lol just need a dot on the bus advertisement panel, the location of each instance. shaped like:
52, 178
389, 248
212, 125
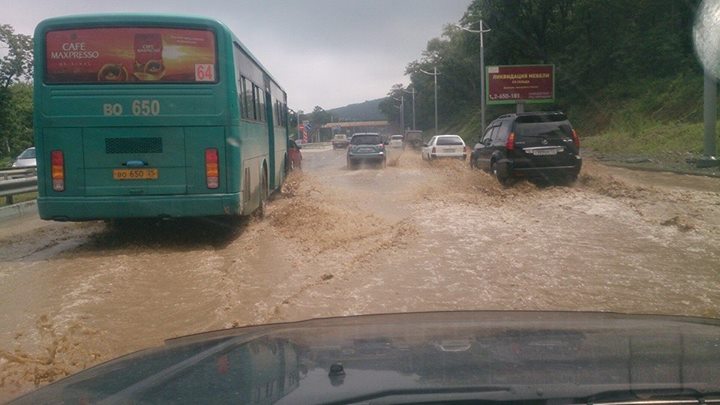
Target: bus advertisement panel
130, 55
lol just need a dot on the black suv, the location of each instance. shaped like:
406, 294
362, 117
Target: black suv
533, 144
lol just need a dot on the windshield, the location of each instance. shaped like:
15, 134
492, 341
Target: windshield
27, 154
210, 165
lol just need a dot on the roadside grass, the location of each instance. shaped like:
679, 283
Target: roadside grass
654, 118
650, 139
19, 198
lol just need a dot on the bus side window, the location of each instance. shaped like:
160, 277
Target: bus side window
259, 103
241, 97
248, 102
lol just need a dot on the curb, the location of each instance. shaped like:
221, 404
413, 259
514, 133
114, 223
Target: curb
18, 210
656, 169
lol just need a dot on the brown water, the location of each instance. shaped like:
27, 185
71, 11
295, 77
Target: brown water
413, 236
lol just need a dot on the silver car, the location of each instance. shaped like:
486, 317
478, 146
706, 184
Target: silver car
26, 158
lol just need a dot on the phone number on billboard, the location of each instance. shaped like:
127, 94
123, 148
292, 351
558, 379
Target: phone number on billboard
506, 96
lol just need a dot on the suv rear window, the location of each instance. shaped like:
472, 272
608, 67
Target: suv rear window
449, 140
366, 140
541, 118
561, 128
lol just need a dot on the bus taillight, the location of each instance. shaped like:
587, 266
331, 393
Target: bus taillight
212, 172
57, 161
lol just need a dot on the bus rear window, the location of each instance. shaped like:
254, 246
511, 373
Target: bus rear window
130, 55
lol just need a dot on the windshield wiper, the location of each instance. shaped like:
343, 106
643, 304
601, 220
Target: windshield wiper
652, 396
570, 394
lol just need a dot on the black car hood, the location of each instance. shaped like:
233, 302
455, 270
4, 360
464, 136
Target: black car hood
411, 357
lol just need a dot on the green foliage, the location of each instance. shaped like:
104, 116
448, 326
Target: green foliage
15, 95
17, 64
16, 111
607, 53
319, 117
650, 139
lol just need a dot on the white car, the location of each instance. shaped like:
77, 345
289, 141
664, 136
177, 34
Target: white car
396, 141
26, 159
444, 146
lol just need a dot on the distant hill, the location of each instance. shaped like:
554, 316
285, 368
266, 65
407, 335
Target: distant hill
365, 111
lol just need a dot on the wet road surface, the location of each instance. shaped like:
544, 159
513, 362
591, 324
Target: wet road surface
411, 237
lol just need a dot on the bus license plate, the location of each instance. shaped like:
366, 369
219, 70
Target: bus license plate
135, 174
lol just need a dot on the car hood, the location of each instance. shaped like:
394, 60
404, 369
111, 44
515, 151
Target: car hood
412, 357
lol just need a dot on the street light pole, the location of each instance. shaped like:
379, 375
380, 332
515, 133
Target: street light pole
435, 75
402, 112
413, 104
481, 31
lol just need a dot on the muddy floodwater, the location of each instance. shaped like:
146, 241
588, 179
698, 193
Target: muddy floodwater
413, 236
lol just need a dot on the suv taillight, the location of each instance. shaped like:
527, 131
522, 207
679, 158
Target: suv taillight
576, 139
57, 170
212, 172
510, 144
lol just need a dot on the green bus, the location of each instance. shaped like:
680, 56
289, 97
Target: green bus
153, 116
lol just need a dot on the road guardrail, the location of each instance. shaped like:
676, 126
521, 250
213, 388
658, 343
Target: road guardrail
17, 181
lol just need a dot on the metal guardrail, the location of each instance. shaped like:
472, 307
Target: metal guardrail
17, 181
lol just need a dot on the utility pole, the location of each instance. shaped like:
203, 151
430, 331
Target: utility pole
413, 105
710, 117
481, 31
435, 75
402, 113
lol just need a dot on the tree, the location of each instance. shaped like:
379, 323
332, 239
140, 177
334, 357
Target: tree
17, 64
15, 95
390, 106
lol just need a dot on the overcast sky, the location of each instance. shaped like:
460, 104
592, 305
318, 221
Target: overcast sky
323, 52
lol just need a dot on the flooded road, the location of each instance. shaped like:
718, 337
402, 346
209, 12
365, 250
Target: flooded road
411, 237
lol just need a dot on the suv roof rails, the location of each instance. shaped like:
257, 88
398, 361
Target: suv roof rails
505, 116
540, 113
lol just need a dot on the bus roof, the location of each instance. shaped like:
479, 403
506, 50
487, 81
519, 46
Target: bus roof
144, 19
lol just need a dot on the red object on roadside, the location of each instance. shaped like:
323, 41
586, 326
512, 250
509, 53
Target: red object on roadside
294, 155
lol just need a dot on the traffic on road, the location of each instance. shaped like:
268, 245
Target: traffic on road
194, 226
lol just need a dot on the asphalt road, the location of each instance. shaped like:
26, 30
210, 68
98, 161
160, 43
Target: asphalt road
411, 237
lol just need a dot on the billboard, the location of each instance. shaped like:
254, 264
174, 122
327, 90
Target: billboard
520, 84
130, 55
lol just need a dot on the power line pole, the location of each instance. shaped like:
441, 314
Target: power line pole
413, 104
481, 31
435, 75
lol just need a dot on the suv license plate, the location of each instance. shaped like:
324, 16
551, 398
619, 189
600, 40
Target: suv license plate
135, 174
545, 152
